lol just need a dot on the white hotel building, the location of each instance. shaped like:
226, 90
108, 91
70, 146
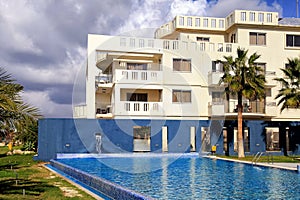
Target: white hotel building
175, 77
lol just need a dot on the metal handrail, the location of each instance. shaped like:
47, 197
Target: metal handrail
270, 158
257, 157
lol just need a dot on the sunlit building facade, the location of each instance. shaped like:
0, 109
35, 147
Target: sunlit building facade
167, 87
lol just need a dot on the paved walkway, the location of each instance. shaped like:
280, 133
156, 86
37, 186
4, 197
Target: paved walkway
287, 166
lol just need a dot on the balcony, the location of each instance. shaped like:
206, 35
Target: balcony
103, 81
140, 108
79, 111
250, 108
270, 76
104, 112
271, 109
216, 109
214, 77
138, 76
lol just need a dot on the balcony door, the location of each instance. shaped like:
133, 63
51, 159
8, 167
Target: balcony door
141, 138
137, 97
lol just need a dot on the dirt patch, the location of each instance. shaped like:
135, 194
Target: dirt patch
70, 192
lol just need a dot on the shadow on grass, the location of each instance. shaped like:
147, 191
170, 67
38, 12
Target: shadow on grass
3, 155
34, 188
9, 166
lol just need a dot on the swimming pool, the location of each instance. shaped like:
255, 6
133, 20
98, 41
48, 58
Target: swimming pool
191, 177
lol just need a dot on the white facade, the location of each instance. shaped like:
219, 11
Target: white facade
176, 77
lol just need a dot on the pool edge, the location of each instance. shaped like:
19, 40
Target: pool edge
111, 190
256, 164
80, 187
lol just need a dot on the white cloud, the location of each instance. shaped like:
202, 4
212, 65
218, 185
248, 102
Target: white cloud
222, 8
48, 108
63, 73
13, 36
152, 14
43, 43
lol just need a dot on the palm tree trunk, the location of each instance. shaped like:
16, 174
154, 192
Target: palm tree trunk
240, 141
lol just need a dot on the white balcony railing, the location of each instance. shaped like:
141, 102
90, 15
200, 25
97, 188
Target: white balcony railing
79, 111
178, 45
140, 108
271, 108
270, 76
214, 77
249, 107
216, 108
138, 76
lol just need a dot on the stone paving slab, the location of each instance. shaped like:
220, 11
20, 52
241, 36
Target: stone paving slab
286, 166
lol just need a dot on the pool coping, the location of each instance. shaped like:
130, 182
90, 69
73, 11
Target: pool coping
274, 165
108, 188
80, 187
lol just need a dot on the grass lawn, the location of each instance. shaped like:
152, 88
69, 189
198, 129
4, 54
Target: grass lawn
19, 174
286, 159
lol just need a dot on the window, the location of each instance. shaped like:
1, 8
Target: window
268, 92
182, 96
205, 22
217, 97
243, 16
262, 66
181, 21
213, 23
141, 138
132, 42
137, 97
221, 23
217, 66
175, 44
123, 42
220, 47
150, 43
189, 21
203, 39
272, 139
228, 48
261, 17
269, 17
252, 16
136, 66
293, 40
257, 38
246, 136
182, 65
141, 43
141, 132
167, 27
231, 18
233, 38
197, 22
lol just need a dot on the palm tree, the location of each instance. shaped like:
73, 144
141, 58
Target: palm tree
289, 94
16, 116
243, 78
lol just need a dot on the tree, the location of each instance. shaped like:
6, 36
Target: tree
289, 94
16, 116
243, 78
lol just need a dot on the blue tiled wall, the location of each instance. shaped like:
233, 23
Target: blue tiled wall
78, 135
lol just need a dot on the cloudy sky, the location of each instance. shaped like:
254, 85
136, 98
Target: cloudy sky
43, 42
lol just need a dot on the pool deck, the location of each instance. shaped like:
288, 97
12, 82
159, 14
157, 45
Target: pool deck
286, 166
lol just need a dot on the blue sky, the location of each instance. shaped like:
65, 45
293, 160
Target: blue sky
43, 43
289, 7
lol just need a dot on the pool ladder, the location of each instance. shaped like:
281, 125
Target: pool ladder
257, 157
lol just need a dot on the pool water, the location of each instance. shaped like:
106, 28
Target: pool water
192, 177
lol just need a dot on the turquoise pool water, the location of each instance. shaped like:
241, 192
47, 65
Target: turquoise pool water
192, 177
